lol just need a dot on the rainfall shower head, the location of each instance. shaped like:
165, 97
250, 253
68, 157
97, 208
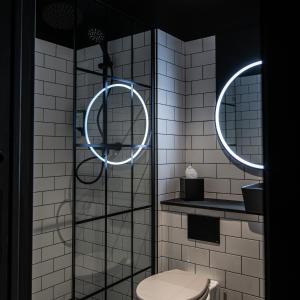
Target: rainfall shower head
96, 35
60, 15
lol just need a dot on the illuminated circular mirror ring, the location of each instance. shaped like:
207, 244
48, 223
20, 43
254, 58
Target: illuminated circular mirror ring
87, 116
217, 117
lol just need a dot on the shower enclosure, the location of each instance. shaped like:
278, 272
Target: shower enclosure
113, 153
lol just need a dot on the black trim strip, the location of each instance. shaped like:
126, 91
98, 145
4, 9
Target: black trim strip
153, 151
132, 171
74, 152
105, 95
129, 82
113, 146
228, 104
113, 214
16, 147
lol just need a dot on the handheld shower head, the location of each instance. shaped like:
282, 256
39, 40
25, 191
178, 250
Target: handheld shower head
97, 36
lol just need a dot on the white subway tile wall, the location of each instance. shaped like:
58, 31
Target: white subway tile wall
237, 262
185, 134
52, 236
170, 114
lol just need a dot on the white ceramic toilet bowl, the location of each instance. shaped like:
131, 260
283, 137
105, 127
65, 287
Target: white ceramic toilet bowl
177, 285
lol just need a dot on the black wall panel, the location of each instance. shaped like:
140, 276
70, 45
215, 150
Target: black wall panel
234, 50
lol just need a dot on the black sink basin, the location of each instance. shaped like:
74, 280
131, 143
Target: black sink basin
253, 198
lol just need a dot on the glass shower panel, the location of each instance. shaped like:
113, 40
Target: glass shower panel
90, 186
119, 117
140, 118
142, 180
113, 186
118, 248
121, 291
98, 296
88, 85
141, 43
90, 258
141, 239
119, 188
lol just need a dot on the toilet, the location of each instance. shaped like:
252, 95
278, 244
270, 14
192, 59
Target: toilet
177, 285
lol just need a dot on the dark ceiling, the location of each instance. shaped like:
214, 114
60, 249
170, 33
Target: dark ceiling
192, 19
185, 19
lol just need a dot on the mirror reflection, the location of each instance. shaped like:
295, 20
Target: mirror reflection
241, 116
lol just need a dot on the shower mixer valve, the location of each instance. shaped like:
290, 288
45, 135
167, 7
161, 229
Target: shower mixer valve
108, 64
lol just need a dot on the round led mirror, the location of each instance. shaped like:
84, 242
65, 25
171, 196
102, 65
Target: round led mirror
238, 116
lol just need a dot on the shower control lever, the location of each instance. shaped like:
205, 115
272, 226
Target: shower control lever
103, 65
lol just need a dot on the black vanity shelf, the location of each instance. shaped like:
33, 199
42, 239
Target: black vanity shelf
212, 204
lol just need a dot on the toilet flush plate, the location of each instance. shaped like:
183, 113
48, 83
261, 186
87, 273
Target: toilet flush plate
204, 228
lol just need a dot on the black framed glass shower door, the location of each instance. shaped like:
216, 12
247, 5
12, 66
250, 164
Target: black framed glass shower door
113, 186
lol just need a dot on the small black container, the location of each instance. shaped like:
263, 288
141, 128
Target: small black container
192, 189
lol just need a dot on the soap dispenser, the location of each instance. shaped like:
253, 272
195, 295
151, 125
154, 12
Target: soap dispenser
190, 172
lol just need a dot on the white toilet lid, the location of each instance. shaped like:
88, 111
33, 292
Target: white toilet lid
173, 285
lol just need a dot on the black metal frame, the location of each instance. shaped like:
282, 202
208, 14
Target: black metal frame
154, 221
105, 146
74, 152
16, 144
280, 91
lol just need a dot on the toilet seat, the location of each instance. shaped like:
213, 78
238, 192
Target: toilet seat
174, 285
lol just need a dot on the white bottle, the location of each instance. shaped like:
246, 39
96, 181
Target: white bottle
190, 173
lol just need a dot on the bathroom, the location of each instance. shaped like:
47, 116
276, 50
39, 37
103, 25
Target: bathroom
147, 174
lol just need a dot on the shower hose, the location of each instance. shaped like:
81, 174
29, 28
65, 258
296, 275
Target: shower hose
101, 134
